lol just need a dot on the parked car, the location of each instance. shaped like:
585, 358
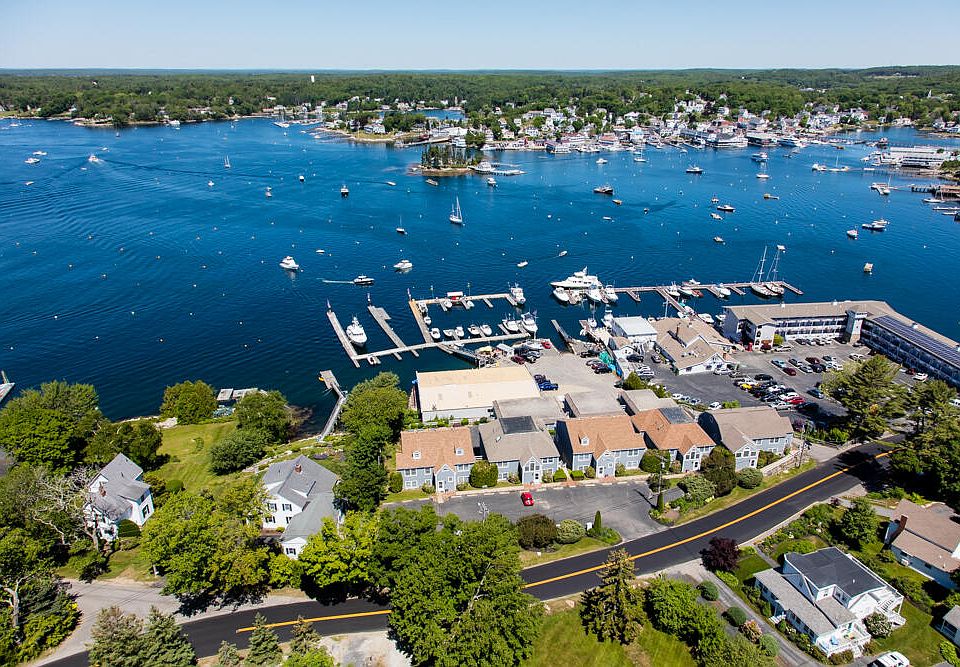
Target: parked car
634, 358
920, 377
723, 370
602, 369
783, 348
790, 371
816, 393
517, 359
828, 358
540, 378
818, 368
813, 360
781, 405
779, 363
526, 498
796, 400
891, 659
548, 386
856, 356
763, 377
716, 405
737, 375
656, 358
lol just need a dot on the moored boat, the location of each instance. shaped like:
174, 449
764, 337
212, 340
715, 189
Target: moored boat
288, 263
561, 295
517, 293
363, 280
726, 208
356, 334
853, 233
344, 190
529, 322
435, 333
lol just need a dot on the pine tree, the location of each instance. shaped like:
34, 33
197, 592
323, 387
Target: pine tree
304, 639
264, 645
228, 656
164, 644
613, 609
117, 639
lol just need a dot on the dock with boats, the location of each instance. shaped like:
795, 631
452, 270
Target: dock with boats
738, 288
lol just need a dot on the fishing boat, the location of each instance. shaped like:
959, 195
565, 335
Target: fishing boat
876, 225
491, 181
694, 169
767, 195
868, 267
288, 263
456, 215
561, 295
486, 330
716, 216
726, 208
363, 280
435, 333
432, 182
517, 293
458, 332
603, 190
522, 264
853, 233
529, 322
511, 325
610, 294
344, 190
356, 334
718, 239
403, 265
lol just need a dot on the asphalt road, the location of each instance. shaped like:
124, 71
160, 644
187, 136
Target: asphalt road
651, 553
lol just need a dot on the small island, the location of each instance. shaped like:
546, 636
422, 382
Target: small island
445, 161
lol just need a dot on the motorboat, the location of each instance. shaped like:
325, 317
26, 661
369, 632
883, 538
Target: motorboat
269, 192
363, 280
209, 184
32, 160
491, 181
610, 294
344, 190
486, 330
714, 200
320, 251
601, 160
692, 283
529, 323
718, 239
356, 334
608, 318
456, 215
288, 263
427, 319
391, 184
673, 291
449, 333
694, 169
726, 208
618, 202
603, 190
301, 178
474, 330
876, 225
517, 293
458, 332
401, 230
723, 290
580, 280
93, 159
561, 295
852, 233
40, 153
446, 304
685, 290
595, 295
763, 175
591, 322
767, 195
868, 267
522, 264
432, 182
5, 386
403, 265
435, 333
511, 325
226, 161
932, 200
819, 167
563, 253
716, 216
759, 157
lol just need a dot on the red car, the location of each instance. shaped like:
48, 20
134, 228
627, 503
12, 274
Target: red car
526, 498
517, 359
546, 345
790, 371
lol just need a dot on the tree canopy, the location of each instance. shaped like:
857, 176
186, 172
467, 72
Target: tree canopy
868, 391
614, 610
190, 402
266, 412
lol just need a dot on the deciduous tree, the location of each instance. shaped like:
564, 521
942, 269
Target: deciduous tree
190, 402
267, 413
238, 450
723, 554
859, 524
341, 555
869, 393
483, 474
535, 531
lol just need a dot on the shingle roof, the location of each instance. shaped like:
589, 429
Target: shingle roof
665, 435
605, 433
760, 314
830, 566
300, 479
436, 447
737, 426
638, 400
953, 616
792, 599
930, 533
505, 442
309, 521
593, 403
117, 483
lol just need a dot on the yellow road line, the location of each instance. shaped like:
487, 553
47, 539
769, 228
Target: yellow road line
711, 531
359, 614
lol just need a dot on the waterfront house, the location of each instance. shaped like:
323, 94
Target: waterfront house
441, 457
469, 394
519, 446
826, 595
748, 431
601, 442
672, 430
299, 495
926, 539
691, 345
118, 492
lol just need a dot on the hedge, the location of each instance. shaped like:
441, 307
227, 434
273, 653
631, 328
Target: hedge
736, 616
708, 591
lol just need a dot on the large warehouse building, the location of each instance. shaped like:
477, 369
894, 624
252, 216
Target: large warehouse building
470, 394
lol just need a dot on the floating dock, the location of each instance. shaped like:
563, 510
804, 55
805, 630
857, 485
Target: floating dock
342, 337
738, 288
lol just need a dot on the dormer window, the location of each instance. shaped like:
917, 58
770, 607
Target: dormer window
584, 441
416, 455
459, 451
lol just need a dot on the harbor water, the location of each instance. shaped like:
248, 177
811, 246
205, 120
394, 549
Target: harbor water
132, 271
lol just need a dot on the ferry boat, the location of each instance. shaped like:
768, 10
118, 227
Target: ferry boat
694, 169
517, 293
603, 190
288, 263
435, 333
403, 265
726, 208
853, 233
456, 215
876, 225
561, 295
529, 322
580, 280
363, 280
344, 190
356, 334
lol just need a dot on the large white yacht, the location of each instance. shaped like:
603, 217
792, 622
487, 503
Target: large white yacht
288, 263
610, 294
529, 323
356, 334
580, 280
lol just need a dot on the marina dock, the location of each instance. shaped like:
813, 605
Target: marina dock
329, 379
342, 337
738, 288
381, 317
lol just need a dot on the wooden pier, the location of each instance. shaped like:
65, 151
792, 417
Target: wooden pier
329, 379
738, 288
381, 317
418, 318
574, 345
342, 336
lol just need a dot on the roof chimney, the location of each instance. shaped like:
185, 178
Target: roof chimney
298, 468
103, 489
901, 525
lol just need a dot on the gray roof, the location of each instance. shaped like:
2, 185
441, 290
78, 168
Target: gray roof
309, 521
117, 482
300, 478
546, 408
593, 404
830, 566
513, 441
676, 415
953, 616
638, 400
752, 422
790, 598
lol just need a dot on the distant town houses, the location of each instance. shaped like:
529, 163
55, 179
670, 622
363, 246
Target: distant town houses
117, 493
299, 497
826, 595
601, 443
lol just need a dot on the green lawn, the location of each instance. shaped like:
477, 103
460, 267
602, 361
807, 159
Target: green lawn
750, 564
129, 565
528, 558
563, 639
917, 639
190, 458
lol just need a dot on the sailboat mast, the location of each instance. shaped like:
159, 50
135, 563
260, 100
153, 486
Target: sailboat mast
758, 274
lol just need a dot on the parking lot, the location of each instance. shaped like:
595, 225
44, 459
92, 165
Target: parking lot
571, 373
624, 505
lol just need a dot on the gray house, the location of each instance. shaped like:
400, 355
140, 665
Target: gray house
601, 442
673, 431
440, 457
748, 431
519, 446
926, 539
118, 492
299, 496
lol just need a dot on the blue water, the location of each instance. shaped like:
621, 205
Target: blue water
133, 274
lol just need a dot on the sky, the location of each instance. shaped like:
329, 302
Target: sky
412, 34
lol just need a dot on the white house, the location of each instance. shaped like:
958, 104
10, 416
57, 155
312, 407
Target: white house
299, 496
826, 595
637, 330
118, 492
926, 539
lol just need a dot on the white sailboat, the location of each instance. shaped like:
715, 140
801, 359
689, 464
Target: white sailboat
456, 215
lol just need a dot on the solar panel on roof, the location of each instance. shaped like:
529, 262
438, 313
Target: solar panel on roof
512, 425
920, 339
675, 415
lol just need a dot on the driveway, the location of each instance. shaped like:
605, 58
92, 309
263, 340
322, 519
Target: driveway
624, 505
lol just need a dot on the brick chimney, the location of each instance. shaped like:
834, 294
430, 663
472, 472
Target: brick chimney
901, 525
298, 468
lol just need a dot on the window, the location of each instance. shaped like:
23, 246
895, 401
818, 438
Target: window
268, 519
290, 551
287, 507
459, 451
416, 455
272, 507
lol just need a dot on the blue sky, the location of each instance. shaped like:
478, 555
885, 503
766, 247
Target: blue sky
561, 34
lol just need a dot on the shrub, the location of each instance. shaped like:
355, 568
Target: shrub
751, 630
483, 474
238, 450
427, 488
736, 616
463, 486
749, 478
730, 405
877, 625
570, 531
513, 478
766, 458
729, 579
546, 477
396, 482
174, 486
769, 645
949, 653
698, 489
620, 470
708, 591
127, 528
559, 475
576, 475
651, 461
535, 531
590, 472
913, 589
841, 658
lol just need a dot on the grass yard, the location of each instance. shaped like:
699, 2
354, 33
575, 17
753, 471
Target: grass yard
563, 639
189, 450
129, 565
750, 563
528, 558
917, 639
